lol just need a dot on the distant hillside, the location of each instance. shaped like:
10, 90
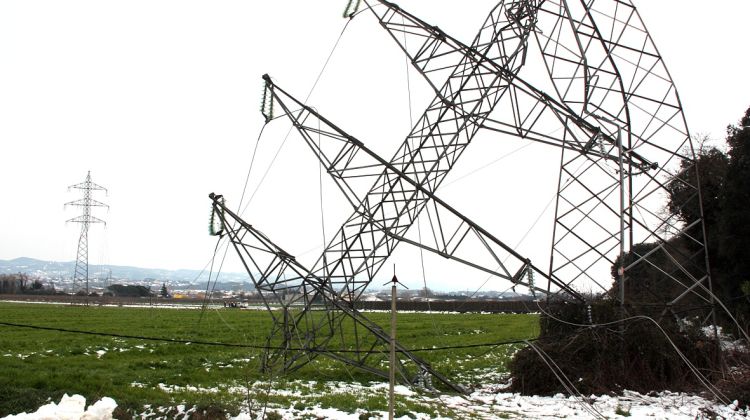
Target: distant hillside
57, 270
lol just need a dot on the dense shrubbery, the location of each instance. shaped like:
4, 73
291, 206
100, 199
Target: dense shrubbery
121, 290
725, 188
636, 355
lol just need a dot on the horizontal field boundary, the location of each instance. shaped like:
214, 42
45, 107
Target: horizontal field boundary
250, 346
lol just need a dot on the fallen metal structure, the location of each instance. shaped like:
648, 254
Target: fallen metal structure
607, 105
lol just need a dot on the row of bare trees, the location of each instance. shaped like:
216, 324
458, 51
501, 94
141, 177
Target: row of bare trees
20, 283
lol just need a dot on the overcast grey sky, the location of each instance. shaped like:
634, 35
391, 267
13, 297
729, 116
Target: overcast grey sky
159, 99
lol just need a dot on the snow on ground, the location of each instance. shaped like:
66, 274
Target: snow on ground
726, 341
488, 402
70, 408
665, 405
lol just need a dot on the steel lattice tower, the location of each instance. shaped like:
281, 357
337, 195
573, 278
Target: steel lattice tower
581, 77
81, 273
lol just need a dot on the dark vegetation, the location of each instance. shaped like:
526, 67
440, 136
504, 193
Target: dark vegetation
22, 283
129, 290
637, 354
633, 355
725, 188
164, 292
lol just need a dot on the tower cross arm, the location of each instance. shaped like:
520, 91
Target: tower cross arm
86, 202
503, 36
87, 219
88, 185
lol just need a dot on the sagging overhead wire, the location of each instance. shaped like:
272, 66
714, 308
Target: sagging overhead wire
701, 378
222, 241
252, 346
267, 110
565, 381
268, 114
488, 164
322, 209
418, 222
567, 182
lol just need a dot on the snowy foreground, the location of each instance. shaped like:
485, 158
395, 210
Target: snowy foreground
71, 408
486, 403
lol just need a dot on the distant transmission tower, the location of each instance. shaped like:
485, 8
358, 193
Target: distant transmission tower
81, 273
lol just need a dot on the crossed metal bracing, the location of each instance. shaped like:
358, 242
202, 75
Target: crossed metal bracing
608, 105
81, 273
605, 66
296, 339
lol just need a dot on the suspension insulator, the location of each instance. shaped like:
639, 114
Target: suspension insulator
215, 223
266, 102
351, 8
600, 141
530, 277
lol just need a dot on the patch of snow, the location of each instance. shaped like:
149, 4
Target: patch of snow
317, 412
489, 401
100, 410
70, 408
725, 340
187, 388
492, 402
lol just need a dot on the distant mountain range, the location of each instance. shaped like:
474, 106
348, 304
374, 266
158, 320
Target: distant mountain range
61, 273
55, 270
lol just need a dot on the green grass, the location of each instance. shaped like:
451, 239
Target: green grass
37, 366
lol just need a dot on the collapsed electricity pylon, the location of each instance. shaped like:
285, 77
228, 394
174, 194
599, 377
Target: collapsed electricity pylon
81, 273
607, 105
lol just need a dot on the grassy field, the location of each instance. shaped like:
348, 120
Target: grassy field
37, 366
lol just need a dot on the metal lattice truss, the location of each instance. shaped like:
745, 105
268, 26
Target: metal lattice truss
607, 103
81, 273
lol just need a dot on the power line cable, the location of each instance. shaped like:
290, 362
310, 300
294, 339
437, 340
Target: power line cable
567, 182
220, 240
701, 378
273, 160
565, 381
322, 210
250, 346
208, 284
286, 137
487, 165
419, 225
252, 162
